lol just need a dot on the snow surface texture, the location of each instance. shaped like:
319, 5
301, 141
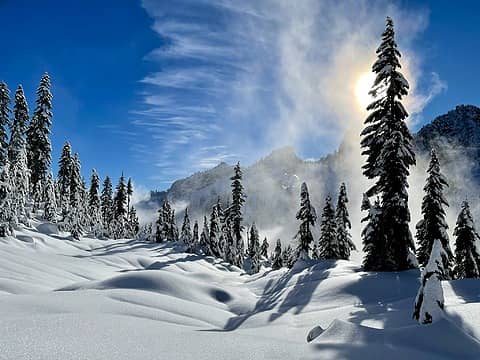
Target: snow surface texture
96, 299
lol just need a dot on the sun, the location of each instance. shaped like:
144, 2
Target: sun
362, 87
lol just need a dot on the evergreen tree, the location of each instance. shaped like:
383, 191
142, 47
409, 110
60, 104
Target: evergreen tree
195, 239
19, 172
129, 192
106, 200
254, 250
204, 238
433, 225
327, 244
74, 216
120, 200
50, 206
5, 112
63, 177
343, 225
307, 216
277, 258
186, 236
467, 257
372, 236
235, 214
387, 142
264, 248
94, 205
289, 257
133, 222
429, 301
166, 228
38, 143
18, 129
215, 231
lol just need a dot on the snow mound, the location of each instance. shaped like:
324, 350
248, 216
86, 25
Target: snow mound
441, 340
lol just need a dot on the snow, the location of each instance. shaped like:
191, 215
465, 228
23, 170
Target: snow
121, 299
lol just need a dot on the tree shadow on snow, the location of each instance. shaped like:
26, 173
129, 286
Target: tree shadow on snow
385, 298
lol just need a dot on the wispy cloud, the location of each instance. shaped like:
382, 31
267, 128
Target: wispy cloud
235, 79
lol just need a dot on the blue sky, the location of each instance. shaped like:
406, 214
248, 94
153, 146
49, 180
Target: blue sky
160, 89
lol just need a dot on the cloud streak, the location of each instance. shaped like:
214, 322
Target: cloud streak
236, 79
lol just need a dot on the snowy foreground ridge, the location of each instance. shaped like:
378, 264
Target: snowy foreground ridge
105, 299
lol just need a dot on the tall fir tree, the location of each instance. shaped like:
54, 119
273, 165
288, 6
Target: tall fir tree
166, 227
307, 216
74, 218
50, 205
429, 301
387, 143
195, 239
186, 236
277, 258
327, 244
254, 250
204, 238
264, 248
215, 230
133, 223
5, 113
433, 225
18, 127
372, 237
39, 148
343, 224
120, 209
235, 214
7, 215
63, 177
129, 192
94, 205
467, 256
17, 155
106, 200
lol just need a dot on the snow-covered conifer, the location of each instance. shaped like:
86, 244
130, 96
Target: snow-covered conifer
74, 215
467, 256
38, 143
433, 225
254, 250
327, 244
194, 246
387, 142
18, 129
133, 222
106, 201
63, 177
264, 248
186, 236
289, 257
342, 219
277, 258
7, 214
166, 227
5, 112
215, 231
50, 205
307, 216
120, 203
429, 301
94, 205
235, 216
204, 238
129, 192
372, 236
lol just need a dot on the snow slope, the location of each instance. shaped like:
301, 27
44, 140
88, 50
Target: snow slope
105, 299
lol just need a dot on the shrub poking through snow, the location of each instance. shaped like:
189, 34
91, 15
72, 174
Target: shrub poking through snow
429, 301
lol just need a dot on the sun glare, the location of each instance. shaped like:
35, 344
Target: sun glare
362, 87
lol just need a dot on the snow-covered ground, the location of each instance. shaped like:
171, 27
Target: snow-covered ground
106, 299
